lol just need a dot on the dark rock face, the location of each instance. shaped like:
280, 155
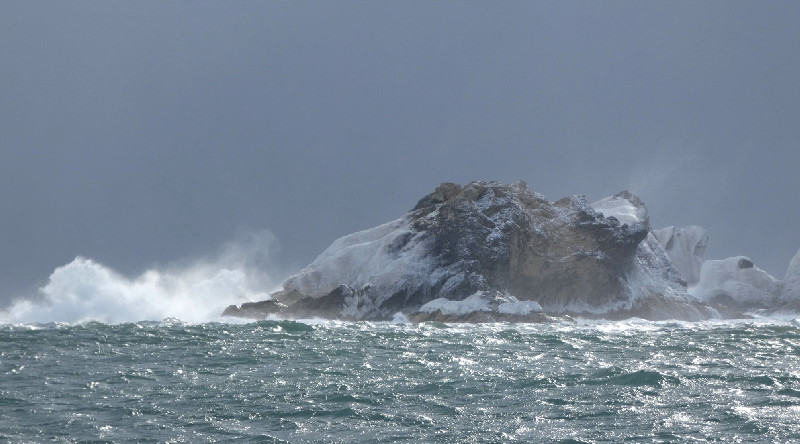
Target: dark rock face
512, 240
254, 310
488, 237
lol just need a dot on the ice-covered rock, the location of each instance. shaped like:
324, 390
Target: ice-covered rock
658, 291
736, 283
686, 248
476, 302
480, 307
461, 247
482, 301
793, 272
791, 283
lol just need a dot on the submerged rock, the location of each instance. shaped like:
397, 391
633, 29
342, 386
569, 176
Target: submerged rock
254, 310
567, 257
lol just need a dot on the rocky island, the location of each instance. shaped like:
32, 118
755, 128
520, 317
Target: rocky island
493, 252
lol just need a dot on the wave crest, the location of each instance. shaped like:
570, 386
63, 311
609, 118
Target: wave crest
85, 290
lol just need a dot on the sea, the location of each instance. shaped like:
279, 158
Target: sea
316, 381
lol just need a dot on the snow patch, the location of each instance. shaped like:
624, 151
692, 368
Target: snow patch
622, 209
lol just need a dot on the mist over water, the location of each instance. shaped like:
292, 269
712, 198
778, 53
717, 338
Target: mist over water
193, 291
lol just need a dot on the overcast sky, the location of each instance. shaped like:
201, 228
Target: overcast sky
137, 133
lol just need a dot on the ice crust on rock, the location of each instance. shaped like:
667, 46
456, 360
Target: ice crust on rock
791, 283
657, 289
482, 301
476, 302
379, 257
793, 272
686, 248
736, 282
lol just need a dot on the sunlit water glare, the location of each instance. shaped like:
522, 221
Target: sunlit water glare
287, 381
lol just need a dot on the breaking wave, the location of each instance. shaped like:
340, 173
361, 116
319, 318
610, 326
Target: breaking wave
192, 291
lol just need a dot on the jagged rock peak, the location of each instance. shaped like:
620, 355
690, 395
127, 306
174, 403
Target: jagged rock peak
625, 207
443, 193
477, 190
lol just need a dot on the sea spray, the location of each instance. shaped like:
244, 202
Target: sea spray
190, 290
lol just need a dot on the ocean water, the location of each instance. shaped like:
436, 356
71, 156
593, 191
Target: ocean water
286, 381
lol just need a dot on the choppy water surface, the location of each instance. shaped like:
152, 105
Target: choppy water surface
366, 382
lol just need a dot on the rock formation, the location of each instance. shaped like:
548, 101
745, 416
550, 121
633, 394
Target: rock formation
736, 283
686, 248
791, 283
501, 248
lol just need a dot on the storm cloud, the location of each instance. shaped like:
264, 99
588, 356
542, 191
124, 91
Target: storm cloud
138, 133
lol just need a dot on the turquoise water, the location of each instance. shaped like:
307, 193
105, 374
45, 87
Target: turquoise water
282, 381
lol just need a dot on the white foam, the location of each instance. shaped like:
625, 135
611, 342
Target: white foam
85, 290
400, 318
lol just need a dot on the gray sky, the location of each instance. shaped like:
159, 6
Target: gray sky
137, 133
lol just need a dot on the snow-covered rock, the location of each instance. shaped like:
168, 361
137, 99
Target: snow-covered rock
480, 307
686, 248
482, 301
625, 207
476, 302
658, 291
791, 283
379, 261
793, 272
496, 246
737, 283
